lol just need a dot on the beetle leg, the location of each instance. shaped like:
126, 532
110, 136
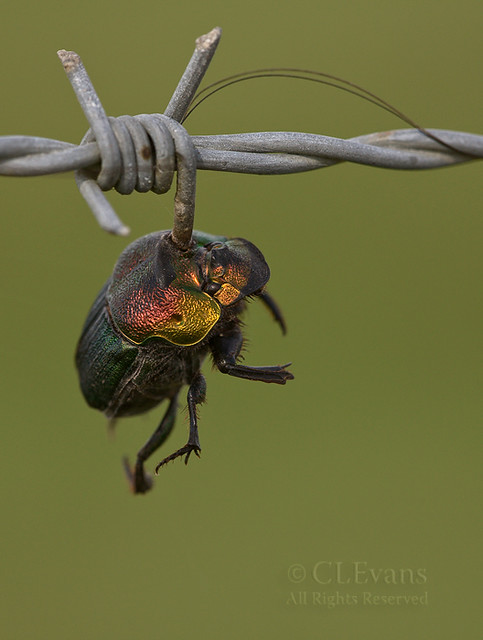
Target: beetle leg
226, 349
274, 309
139, 480
196, 395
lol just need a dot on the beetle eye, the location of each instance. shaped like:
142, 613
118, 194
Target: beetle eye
211, 288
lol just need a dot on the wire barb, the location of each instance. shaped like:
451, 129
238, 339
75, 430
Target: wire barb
126, 146
142, 152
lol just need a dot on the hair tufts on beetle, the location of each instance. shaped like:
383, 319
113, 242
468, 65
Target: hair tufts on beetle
176, 296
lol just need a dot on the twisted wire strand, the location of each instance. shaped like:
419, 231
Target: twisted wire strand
143, 152
261, 152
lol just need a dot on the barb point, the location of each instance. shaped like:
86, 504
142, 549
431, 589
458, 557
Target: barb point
70, 60
208, 40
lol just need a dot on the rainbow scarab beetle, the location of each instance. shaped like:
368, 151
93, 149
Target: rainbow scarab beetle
155, 320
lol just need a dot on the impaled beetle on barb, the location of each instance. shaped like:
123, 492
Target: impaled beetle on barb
174, 296
157, 318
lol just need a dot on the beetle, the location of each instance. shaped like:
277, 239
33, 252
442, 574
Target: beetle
157, 317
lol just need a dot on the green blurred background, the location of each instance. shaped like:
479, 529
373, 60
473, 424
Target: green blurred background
369, 456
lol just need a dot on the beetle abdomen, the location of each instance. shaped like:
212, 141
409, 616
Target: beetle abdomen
102, 357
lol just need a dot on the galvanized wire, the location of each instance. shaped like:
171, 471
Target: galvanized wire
143, 152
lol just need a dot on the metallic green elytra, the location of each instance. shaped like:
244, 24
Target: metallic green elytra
157, 318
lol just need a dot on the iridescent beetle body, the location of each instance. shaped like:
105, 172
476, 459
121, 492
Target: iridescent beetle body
156, 319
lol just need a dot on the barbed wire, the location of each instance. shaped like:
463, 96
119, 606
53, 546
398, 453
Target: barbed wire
143, 152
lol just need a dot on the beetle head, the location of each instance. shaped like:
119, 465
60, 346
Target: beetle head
233, 270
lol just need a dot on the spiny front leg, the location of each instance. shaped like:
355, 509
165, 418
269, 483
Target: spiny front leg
139, 480
226, 349
196, 395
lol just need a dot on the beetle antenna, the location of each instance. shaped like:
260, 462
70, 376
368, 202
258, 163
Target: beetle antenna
311, 76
